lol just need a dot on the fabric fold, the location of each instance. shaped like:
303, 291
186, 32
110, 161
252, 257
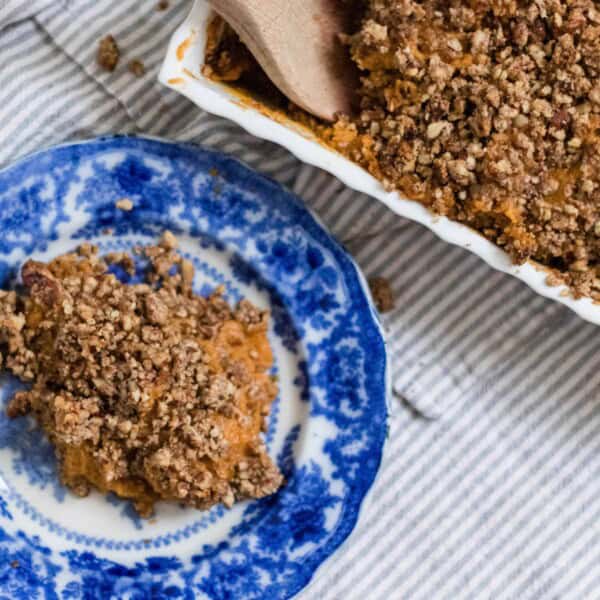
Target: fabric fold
13, 11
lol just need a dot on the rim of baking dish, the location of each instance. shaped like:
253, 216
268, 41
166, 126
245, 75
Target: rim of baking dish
181, 72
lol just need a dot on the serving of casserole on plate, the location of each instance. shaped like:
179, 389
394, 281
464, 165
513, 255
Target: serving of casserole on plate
505, 143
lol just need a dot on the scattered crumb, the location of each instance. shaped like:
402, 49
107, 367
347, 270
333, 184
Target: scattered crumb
137, 68
14, 564
108, 53
382, 294
162, 5
124, 204
108, 231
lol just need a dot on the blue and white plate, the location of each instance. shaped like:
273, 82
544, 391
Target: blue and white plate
327, 428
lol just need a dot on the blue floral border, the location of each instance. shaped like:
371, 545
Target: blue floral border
261, 556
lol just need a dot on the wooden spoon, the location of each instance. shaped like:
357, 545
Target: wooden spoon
296, 43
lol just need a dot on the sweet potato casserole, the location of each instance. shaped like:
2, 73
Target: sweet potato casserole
145, 389
485, 111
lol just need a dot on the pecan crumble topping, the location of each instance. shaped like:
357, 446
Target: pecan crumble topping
487, 112
146, 390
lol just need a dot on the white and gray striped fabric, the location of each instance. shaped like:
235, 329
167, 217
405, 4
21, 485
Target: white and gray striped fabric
499, 497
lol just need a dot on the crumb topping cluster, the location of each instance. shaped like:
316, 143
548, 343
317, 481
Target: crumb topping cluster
146, 389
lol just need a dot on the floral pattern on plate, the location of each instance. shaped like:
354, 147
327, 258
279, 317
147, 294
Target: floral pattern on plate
327, 428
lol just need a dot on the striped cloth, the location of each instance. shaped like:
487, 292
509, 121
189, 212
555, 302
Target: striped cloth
497, 499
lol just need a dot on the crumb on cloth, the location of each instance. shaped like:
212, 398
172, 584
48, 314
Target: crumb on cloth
137, 68
382, 294
108, 53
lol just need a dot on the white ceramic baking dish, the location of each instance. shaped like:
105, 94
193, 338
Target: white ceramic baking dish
181, 72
